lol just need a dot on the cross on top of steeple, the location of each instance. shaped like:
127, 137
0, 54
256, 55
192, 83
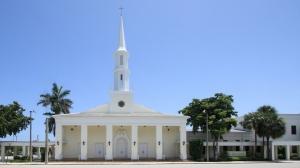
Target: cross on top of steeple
121, 10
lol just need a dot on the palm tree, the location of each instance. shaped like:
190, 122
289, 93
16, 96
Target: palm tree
271, 126
57, 102
251, 122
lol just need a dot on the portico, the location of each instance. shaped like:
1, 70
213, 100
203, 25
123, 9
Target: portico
290, 148
121, 142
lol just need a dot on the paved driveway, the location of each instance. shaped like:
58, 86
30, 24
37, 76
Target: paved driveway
285, 164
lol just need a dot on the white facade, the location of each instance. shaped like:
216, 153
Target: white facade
120, 129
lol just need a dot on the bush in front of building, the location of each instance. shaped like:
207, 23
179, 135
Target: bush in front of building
196, 148
295, 156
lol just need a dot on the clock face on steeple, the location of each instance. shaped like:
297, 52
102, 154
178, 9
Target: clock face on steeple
121, 103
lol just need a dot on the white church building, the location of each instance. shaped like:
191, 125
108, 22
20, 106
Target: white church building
121, 129
124, 130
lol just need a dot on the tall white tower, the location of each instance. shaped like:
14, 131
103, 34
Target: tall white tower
121, 95
121, 72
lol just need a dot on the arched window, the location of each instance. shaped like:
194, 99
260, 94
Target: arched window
121, 77
121, 59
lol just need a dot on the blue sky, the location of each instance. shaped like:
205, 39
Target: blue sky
179, 50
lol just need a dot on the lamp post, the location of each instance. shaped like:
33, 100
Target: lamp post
46, 140
30, 137
207, 149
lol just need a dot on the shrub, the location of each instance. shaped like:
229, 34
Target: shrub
20, 157
196, 147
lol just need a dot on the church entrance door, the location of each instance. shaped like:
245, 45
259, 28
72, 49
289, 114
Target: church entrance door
121, 148
143, 150
99, 147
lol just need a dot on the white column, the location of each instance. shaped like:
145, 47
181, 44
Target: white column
39, 152
134, 142
287, 147
109, 135
15, 149
298, 150
182, 142
59, 141
2, 152
242, 148
83, 149
159, 149
265, 152
27, 150
218, 152
273, 151
23, 151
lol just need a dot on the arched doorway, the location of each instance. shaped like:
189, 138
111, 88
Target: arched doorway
121, 143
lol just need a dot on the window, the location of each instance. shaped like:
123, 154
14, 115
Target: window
225, 148
121, 59
294, 149
237, 148
258, 149
121, 103
293, 129
121, 77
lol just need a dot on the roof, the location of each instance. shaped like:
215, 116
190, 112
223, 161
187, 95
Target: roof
104, 111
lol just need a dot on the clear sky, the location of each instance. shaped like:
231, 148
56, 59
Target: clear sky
179, 50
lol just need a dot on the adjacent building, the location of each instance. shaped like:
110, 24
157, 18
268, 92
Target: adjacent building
240, 142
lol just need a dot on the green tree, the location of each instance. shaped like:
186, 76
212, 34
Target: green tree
270, 125
57, 102
12, 120
220, 116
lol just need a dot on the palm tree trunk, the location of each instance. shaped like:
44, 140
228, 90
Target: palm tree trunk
263, 146
217, 146
268, 148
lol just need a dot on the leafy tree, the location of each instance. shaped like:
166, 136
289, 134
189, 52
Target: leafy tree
12, 120
220, 116
57, 102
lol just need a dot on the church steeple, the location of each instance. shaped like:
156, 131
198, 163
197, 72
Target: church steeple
122, 97
121, 73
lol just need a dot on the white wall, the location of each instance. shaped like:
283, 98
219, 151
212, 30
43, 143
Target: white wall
290, 119
71, 142
238, 136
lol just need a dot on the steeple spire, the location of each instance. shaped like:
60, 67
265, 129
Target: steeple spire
122, 44
121, 71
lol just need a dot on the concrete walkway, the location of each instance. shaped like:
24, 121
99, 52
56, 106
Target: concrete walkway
154, 164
